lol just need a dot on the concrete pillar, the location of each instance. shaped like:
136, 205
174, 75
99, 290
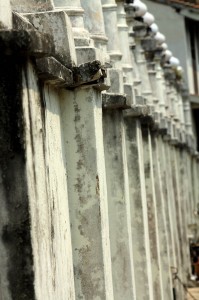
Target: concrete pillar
178, 202
75, 11
118, 207
96, 29
83, 142
113, 47
152, 214
174, 214
138, 206
161, 90
110, 22
5, 15
161, 216
126, 57
136, 75
183, 179
180, 214
47, 189
140, 32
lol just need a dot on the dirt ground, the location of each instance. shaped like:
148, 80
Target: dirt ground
194, 292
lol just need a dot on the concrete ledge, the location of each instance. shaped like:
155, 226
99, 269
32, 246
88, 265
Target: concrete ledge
90, 74
26, 42
53, 72
114, 101
136, 111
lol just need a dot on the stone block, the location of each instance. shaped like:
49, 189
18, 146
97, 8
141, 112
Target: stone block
58, 25
20, 22
116, 80
51, 71
136, 111
86, 54
129, 91
30, 6
114, 101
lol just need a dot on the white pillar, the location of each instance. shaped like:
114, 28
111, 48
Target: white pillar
47, 185
124, 47
152, 214
161, 214
83, 142
135, 189
75, 11
118, 203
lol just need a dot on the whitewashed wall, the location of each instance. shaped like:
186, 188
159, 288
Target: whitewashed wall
98, 169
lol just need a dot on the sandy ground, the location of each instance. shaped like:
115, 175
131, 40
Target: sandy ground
194, 292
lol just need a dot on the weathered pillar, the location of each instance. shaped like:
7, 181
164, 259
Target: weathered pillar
83, 142
119, 207
153, 64
126, 57
116, 169
96, 29
183, 190
184, 247
135, 189
110, 22
173, 213
140, 33
161, 216
130, 15
113, 47
47, 186
75, 12
152, 214
178, 218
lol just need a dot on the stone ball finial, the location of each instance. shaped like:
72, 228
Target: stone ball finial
148, 18
167, 54
139, 7
154, 28
174, 62
164, 46
160, 38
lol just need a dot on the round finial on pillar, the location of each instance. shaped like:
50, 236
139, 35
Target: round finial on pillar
148, 18
167, 54
174, 62
139, 7
160, 38
164, 46
154, 28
